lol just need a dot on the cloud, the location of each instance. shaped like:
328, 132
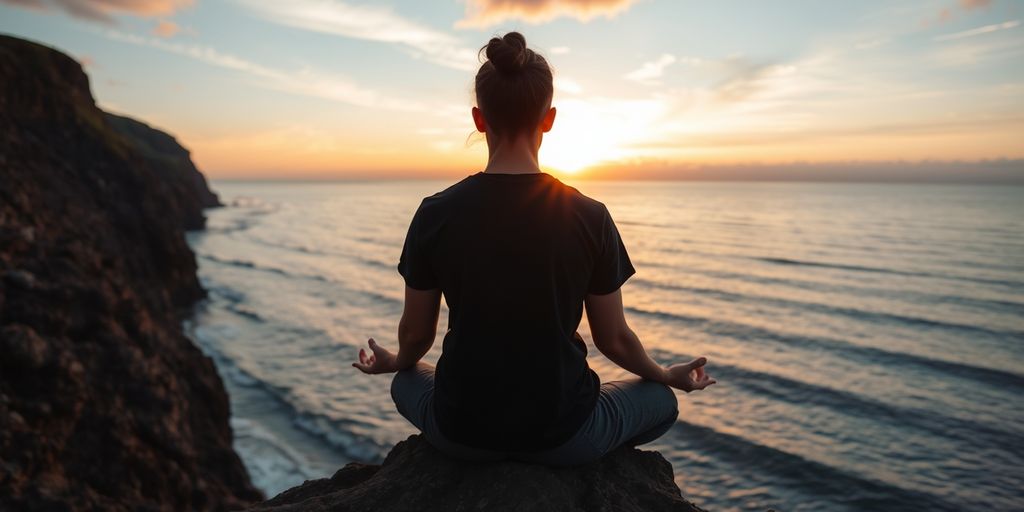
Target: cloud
28, 4
371, 23
560, 50
103, 11
567, 85
916, 128
974, 4
745, 77
166, 29
650, 72
485, 13
303, 82
989, 171
873, 43
978, 51
947, 14
978, 31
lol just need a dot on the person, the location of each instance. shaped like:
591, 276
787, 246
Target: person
517, 255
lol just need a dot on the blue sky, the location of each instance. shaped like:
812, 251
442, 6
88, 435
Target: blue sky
333, 88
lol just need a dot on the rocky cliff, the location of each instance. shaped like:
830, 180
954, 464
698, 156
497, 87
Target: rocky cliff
104, 403
416, 477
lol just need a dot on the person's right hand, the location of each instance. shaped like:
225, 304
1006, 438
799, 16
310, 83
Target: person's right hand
381, 360
689, 376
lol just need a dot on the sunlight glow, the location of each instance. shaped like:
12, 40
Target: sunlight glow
321, 89
589, 132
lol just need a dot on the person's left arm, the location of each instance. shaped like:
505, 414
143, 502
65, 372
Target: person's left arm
416, 332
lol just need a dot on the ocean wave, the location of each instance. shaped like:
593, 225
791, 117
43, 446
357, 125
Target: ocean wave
273, 465
262, 268
331, 431
852, 313
980, 304
238, 215
245, 264
973, 434
889, 271
318, 252
999, 378
812, 478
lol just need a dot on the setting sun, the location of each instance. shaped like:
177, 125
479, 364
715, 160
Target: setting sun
592, 132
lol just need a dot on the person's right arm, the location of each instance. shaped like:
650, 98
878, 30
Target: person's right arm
416, 332
620, 344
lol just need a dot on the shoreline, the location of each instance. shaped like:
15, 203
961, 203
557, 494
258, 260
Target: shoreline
276, 452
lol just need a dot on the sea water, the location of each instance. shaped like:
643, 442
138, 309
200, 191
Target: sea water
868, 340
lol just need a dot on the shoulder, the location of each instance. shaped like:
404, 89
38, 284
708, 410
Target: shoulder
581, 202
444, 200
447, 194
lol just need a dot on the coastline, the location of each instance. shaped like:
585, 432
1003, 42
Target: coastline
277, 452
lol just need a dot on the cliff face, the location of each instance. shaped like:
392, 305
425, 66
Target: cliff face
104, 403
415, 476
186, 187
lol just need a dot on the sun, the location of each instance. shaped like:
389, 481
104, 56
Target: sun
579, 139
587, 133
569, 157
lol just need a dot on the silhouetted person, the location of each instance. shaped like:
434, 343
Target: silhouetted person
517, 254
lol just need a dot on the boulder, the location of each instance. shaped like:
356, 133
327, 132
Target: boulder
416, 477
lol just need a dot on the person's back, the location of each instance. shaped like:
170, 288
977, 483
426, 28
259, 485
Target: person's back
518, 255
515, 255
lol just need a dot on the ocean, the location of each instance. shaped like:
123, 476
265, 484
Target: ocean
868, 339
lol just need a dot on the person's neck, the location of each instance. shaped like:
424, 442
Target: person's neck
512, 156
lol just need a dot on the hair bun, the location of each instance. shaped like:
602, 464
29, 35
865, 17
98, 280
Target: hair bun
509, 54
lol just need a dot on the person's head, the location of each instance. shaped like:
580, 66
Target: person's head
513, 91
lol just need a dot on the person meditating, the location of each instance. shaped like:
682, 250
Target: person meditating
517, 254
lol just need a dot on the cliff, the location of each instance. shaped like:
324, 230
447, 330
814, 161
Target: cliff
416, 477
185, 186
104, 403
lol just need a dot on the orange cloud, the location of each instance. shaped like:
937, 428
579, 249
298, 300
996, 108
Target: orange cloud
975, 4
104, 10
166, 29
948, 13
484, 13
28, 4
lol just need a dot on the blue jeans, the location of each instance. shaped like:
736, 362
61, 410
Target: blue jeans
628, 412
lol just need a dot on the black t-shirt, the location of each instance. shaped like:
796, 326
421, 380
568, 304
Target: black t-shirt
514, 255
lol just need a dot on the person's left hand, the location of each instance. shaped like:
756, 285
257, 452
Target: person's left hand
689, 376
379, 361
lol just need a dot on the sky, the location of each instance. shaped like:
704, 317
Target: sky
311, 89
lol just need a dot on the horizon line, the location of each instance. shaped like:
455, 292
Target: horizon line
987, 171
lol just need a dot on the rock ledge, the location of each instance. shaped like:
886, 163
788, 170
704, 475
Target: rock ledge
415, 476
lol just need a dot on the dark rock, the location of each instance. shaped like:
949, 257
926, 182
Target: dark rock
20, 278
23, 346
186, 184
104, 403
415, 476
